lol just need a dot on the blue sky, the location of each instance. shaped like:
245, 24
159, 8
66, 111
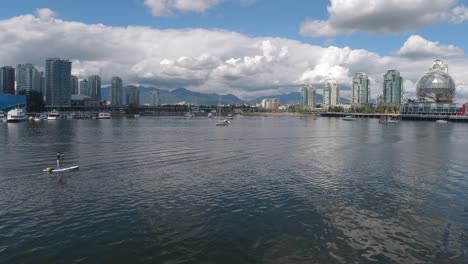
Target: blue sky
412, 33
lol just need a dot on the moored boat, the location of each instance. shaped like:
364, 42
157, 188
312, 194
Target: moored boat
104, 115
54, 115
16, 115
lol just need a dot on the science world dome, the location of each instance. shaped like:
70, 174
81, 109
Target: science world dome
436, 85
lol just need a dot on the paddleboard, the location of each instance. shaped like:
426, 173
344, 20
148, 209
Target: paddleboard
62, 169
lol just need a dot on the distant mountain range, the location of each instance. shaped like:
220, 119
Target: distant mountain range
184, 95
292, 98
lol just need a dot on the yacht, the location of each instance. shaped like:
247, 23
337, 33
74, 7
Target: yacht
37, 118
54, 115
104, 116
16, 115
2, 114
210, 115
189, 114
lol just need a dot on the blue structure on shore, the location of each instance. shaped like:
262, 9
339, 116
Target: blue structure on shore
8, 101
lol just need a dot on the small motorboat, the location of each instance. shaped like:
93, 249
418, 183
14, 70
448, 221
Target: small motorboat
225, 122
442, 121
349, 118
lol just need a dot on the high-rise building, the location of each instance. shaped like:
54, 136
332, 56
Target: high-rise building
360, 89
392, 88
379, 100
271, 103
28, 78
116, 91
94, 84
7, 80
308, 94
57, 80
331, 93
84, 87
132, 95
155, 96
74, 84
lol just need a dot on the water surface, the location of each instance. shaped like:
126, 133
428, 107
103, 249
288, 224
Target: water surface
264, 190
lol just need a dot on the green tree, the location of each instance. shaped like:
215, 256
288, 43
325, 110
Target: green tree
132, 109
34, 101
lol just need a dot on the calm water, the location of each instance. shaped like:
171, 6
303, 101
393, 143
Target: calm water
265, 190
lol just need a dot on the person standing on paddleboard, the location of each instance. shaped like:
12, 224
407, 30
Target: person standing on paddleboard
60, 157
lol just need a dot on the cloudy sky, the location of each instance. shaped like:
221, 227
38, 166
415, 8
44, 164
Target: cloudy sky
245, 47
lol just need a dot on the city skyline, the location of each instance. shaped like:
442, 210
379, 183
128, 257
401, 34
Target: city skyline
247, 62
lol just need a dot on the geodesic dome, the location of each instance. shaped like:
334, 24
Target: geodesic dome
436, 85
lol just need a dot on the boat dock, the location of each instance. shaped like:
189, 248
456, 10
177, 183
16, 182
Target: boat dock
415, 117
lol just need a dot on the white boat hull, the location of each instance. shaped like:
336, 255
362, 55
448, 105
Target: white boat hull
16, 116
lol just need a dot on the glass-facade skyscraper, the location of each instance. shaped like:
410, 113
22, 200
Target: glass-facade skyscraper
132, 95
331, 93
360, 89
94, 86
7, 80
116, 91
84, 87
28, 78
392, 88
58, 85
74, 84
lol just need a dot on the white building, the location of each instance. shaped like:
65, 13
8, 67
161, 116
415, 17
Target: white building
361, 89
308, 94
331, 93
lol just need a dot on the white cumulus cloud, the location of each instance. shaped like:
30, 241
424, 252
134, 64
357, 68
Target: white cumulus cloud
377, 16
459, 14
417, 46
215, 61
167, 7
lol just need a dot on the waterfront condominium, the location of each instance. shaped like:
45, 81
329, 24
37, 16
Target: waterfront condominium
360, 89
74, 84
116, 91
7, 80
155, 96
28, 78
308, 97
84, 87
331, 93
57, 82
392, 88
132, 95
94, 86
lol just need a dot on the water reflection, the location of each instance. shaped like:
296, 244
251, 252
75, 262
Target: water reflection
278, 190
